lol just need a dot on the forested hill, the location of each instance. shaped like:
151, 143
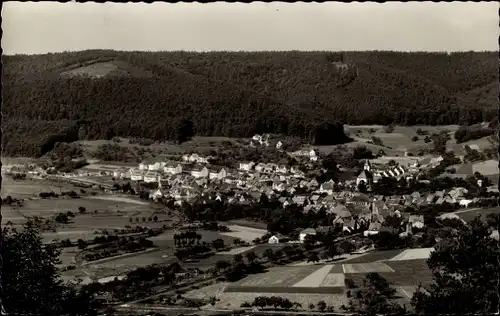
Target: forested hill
100, 94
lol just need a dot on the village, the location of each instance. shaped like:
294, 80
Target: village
300, 224
355, 202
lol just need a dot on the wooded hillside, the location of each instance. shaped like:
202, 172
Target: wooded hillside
103, 94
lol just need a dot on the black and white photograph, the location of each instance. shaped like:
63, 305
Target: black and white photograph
263, 158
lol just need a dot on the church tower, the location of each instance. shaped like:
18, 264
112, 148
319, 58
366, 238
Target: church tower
159, 183
368, 166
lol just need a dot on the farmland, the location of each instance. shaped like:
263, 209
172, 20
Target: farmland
201, 144
31, 187
247, 234
312, 283
400, 140
471, 214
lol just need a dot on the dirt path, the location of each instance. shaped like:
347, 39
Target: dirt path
127, 255
459, 211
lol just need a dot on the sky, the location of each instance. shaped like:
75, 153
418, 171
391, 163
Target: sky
41, 27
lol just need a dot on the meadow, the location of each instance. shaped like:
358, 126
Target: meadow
470, 215
312, 283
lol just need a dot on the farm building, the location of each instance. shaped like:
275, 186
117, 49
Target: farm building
171, 169
308, 231
246, 166
278, 238
200, 173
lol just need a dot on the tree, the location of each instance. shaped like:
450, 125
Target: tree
311, 306
238, 258
376, 296
251, 256
394, 222
222, 265
362, 187
155, 218
321, 306
389, 128
185, 131
81, 244
82, 209
377, 141
269, 254
218, 244
34, 287
313, 257
414, 138
465, 273
332, 251
347, 246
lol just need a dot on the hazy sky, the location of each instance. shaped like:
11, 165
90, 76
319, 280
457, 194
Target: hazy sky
51, 27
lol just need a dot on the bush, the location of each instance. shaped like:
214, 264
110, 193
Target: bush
389, 128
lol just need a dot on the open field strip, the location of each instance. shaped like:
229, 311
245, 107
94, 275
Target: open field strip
411, 254
207, 291
126, 255
489, 167
286, 276
234, 300
333, 280
288, 290
236, 251
117, 199
367, 267
469, 215
374, 256
316, 278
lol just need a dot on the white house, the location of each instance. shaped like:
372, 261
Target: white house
136, 175
150, 177
312, 155
278, 238
200, 173
303, 234
170, 169
464, 202
143, 166
246, 166
218, 175
195, 158
327, 187
279, 145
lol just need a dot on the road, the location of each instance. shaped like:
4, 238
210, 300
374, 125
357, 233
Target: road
159, 308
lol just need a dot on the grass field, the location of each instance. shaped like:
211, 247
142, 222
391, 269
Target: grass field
198, 143
470, 215
238, 250
247, 234
282, 276
412, 254
31, 188
378, 267
400, 139
375, 256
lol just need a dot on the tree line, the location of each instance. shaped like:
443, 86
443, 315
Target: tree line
306, 94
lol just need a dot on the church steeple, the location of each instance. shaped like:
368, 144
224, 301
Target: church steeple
159, 182
368, 166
